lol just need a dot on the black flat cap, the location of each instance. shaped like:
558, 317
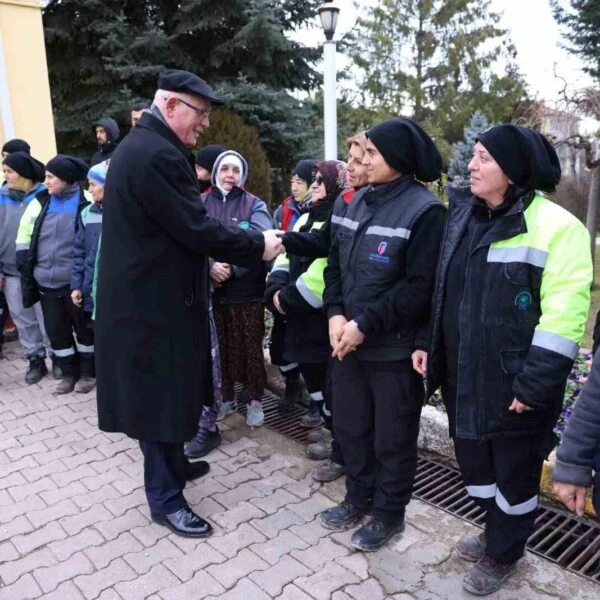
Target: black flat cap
173, 80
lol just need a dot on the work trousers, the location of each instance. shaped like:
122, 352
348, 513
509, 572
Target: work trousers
28, 321
317, 377
277, 348
62, 319
164, 476
502, 475
376, 411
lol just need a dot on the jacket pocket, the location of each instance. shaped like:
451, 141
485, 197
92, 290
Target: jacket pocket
512, 362
520, 293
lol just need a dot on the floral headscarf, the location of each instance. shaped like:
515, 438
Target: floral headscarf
335, 178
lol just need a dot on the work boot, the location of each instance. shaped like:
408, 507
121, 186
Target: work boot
255, 417
374, 534
343, 516
36, 370
57, 372
471, 547
487, 576
320, 434
292, 393
10, 335
227, 408
66, 385
85, 385
318, 450
203, 442
328, 471
312, 418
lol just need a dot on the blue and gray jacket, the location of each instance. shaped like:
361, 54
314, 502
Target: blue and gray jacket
12, 207
85, 248
45, 242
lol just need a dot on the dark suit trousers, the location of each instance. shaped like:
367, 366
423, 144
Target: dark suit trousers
164, 476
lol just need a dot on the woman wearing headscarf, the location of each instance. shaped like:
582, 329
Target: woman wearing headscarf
238, 296
510, 305
378, 284
24, 175
295, 291
45, 256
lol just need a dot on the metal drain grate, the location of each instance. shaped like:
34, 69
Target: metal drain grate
572, 543
287, 423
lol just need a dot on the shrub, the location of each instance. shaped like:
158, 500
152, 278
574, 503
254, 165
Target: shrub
229, 130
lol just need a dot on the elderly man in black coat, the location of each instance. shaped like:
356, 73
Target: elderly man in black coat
152, 336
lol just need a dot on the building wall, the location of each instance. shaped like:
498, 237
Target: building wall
25, 104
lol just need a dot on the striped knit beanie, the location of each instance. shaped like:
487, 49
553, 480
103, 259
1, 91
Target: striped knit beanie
98, 172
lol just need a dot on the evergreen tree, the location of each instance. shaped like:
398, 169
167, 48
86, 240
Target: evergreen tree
581, 23
104, 55
229, 130
433, 59
458, 173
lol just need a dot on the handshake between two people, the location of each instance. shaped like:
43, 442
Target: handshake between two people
273, 244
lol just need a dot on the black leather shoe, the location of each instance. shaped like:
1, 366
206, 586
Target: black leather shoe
203, 442
185, 523
343, 516
193, 470
374, 534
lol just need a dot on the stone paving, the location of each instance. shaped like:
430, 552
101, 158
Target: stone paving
74, 523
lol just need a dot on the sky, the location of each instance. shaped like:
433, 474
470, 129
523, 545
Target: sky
534, 33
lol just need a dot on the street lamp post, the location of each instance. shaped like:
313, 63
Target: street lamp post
329, 17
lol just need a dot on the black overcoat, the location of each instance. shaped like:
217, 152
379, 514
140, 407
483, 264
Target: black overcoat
152, 339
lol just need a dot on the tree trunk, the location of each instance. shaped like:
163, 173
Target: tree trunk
592, 210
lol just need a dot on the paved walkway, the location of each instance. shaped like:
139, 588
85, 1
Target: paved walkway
74, 523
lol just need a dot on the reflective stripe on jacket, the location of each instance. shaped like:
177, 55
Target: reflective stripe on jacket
522, 315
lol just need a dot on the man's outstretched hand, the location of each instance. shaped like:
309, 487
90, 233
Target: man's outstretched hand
273, 245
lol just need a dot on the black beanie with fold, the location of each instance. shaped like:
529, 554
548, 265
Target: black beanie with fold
304, 169
407, 148
25, 165
524, 155
207, 156
68, 168
16, 145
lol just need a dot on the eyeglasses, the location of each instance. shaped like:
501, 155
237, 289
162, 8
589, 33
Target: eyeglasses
319, 179
203, 113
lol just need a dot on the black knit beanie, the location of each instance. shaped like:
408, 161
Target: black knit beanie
525, 156
407, 148
25, 165
304, 169
68, 168
206, 157
16, 145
